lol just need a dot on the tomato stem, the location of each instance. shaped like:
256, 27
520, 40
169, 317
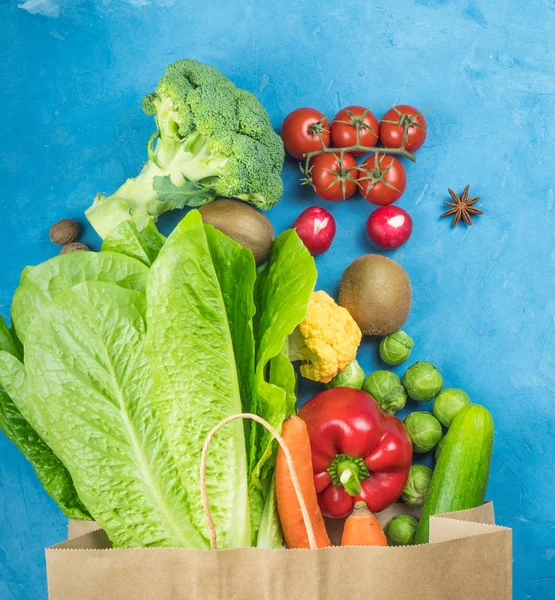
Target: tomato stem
357, 147
366, 149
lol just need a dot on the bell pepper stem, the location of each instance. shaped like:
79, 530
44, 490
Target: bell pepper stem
348, 472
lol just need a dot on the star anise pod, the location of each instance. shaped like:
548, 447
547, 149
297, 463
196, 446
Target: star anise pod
463, 207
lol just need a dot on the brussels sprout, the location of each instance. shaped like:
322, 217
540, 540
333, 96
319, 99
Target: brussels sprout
388, 391
422, 381
396, 348
424, 430
418, 484
448, 403
353, 377
400, 531
439, 447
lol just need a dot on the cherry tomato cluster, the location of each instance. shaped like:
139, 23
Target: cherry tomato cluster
329, 151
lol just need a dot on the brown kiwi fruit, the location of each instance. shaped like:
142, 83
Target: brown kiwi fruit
243, 223
377, 292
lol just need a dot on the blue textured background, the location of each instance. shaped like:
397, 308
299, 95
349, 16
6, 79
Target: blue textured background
72, 77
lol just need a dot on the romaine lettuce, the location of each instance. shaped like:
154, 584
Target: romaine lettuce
195, 312
39, 285
49, 468
87, 390
133, 354
141, 245
282, 296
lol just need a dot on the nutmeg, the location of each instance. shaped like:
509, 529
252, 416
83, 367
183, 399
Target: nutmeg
64, 232
74, 247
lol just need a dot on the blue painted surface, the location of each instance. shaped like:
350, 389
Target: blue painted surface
73, 74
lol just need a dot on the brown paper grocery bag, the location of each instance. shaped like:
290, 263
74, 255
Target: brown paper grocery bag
468, 558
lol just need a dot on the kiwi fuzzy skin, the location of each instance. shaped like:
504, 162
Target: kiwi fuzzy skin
243, 223
377, 292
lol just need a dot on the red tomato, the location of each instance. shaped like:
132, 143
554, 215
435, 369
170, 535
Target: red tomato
389, 227
305, 130
334, 177
400, 124
316, 228
382, 179
354, 125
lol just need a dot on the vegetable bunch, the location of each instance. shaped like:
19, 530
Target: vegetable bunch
329, 150
120, 362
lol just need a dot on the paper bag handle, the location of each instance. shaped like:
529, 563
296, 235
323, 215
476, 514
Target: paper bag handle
294, 479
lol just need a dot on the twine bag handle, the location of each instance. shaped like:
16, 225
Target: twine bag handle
294, 479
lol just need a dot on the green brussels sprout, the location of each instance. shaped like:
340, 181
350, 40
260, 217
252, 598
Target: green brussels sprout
448, 403
400, 531
422, 381
396, 348
388, 391
353, 377
424, 430
439, 447
418, 484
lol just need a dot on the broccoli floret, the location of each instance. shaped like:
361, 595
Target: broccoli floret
212, 139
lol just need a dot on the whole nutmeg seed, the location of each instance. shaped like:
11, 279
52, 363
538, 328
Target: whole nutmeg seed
64, 232
74, 247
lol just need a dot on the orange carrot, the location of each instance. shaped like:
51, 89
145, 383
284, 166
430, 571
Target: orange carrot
362, 528
295, 436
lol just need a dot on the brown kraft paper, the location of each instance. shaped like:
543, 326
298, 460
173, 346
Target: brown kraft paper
468, 558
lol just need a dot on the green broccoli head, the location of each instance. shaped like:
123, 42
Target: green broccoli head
212, 139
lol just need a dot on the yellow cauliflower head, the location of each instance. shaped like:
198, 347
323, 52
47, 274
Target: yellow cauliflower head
326, 341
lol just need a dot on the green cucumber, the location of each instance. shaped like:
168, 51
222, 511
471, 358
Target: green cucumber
461, 475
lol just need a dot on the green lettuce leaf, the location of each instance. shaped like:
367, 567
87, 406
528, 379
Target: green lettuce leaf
9, 342
153, 239
282, 374
51, 472
282, 298
190, 346
142, 245
236, 271
261, 276
39, 285
87, 396
270, 534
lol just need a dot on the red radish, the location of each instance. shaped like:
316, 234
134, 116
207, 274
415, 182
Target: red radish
389, 227
316, 228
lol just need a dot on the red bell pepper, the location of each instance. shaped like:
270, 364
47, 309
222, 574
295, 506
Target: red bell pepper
358, 451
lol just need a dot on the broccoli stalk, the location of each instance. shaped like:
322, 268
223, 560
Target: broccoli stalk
212, 139
177, 174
